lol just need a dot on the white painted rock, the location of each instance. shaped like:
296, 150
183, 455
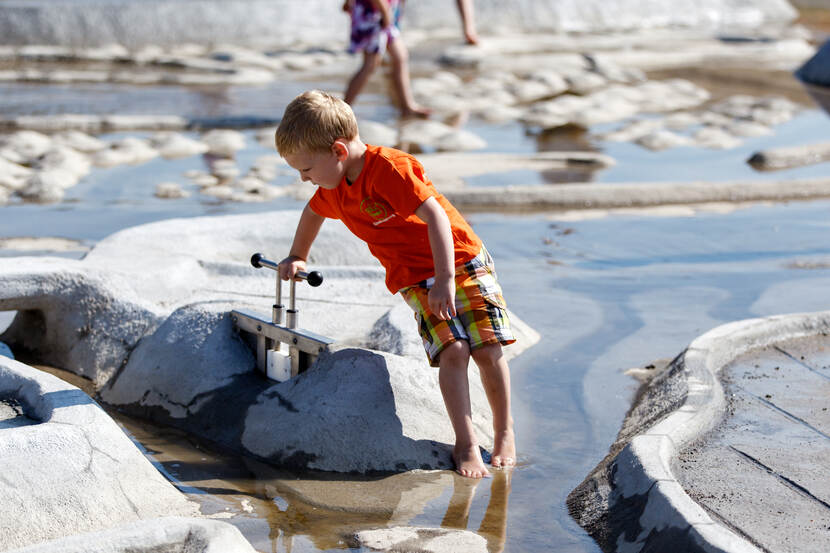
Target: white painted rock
378, 134
170, 190
223, 142
157, 335
67, 466
12, 175
127, 151
716, 138
47, 186
662, 140
79, 141
171, 145
28, 144
460, 141
64, 159
193, 535
422, 540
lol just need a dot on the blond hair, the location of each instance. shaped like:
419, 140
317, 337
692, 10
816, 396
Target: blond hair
312, 122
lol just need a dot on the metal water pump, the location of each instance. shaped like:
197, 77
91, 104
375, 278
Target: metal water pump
303, 346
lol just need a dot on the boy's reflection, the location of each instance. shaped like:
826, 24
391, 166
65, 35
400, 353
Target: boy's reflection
493, 526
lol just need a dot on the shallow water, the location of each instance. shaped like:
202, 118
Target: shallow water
606, 291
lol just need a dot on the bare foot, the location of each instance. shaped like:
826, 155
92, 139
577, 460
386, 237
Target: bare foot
504, 450
471, 37
468, 462
416, 111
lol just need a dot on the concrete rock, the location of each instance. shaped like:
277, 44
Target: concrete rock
72, 318
793, 156
174, 357
816, 70
174, 145
421, 540
224, 142
152, 536
70, 468
170, 191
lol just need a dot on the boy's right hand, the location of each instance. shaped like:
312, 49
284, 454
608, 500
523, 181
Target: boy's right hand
290, 265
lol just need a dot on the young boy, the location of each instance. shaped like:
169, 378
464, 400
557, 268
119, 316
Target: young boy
431, 255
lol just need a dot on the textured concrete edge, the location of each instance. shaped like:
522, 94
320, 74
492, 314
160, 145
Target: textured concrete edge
647, 459
622, 195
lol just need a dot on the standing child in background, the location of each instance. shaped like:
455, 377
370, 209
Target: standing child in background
468, 21
374, 31
431, 255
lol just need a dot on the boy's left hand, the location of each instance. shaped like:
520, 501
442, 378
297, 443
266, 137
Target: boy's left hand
442, 298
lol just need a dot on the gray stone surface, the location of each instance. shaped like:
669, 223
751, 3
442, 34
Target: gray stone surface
159, 343
70, 468
764, 469
816, 70
421, 540
162, 535
670, 482
791, 156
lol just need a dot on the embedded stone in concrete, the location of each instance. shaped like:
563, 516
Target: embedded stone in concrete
152, 536
793, 156
71, 469
421, 540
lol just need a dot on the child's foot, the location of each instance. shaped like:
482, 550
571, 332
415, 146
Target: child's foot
504, 450
468, 462
417, 111
471, 37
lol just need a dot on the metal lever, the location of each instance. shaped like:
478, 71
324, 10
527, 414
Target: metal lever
314, 278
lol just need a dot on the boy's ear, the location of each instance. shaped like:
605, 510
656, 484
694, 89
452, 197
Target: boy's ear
340, 150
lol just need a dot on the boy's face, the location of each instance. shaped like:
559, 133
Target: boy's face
325, 169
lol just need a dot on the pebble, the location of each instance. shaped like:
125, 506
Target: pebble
46, 186
27, 144
127, 151
716, 138
662, 140
12, 175
222, 142
171, 145
170, 190
79, 141
64, 159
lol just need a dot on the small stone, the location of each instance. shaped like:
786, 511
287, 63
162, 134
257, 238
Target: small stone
223, 142
170, 190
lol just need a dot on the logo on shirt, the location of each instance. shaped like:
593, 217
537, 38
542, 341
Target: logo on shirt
376, 210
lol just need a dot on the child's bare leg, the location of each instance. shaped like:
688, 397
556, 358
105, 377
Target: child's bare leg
400, 75
359, 80
452, 376
465, 8
495, 376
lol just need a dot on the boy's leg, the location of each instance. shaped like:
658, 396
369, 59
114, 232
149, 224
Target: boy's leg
400, 76
359, 80
495, 376
455, 387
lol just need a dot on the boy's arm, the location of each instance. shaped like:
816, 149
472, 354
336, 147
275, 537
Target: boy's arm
304, 236
442, 294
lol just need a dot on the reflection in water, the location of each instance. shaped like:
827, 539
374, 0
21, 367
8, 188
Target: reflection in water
493, 526
284, 511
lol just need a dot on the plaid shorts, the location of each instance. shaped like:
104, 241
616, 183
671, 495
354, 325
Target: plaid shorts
481, 313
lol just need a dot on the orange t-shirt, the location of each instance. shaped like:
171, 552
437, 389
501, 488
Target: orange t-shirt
379, 208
